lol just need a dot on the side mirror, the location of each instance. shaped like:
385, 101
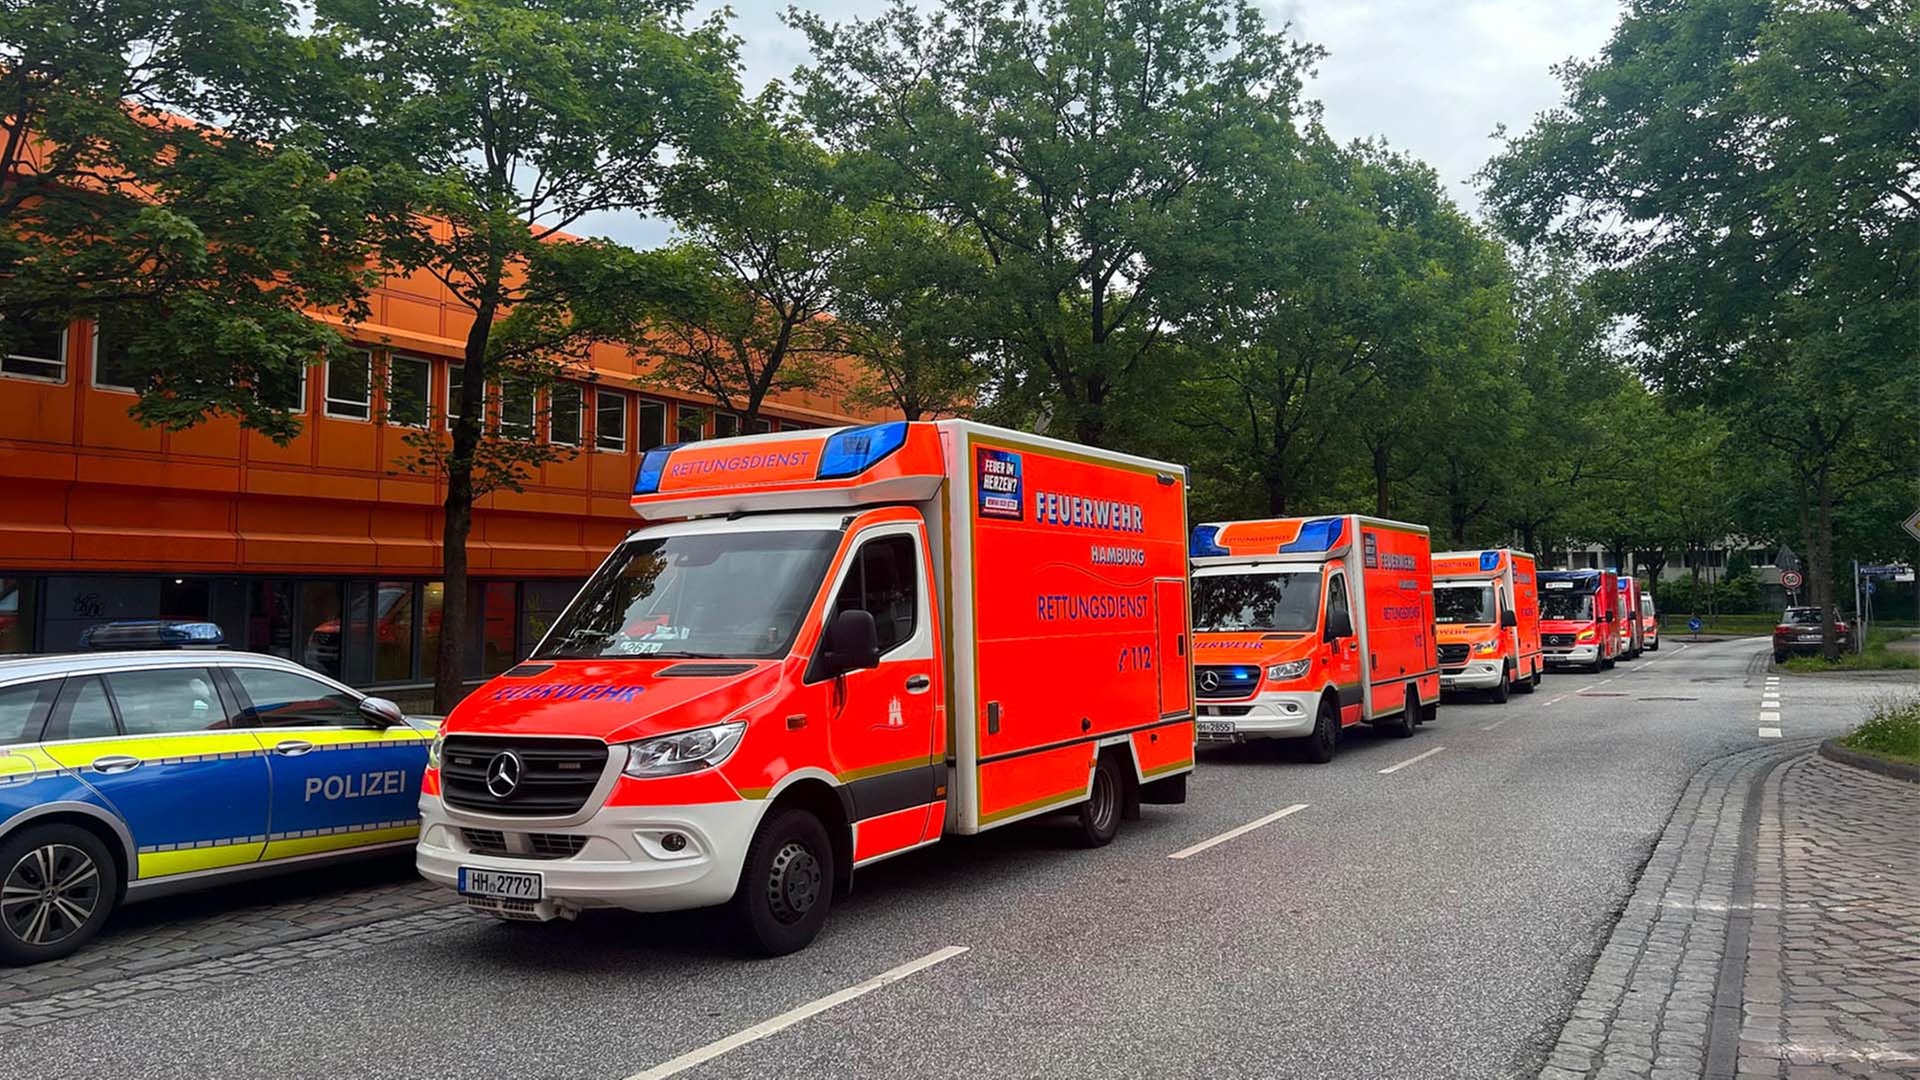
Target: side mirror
1339, 625
382, 712
852, 643
1508, 619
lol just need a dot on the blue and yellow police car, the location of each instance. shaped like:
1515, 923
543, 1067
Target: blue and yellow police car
134, 773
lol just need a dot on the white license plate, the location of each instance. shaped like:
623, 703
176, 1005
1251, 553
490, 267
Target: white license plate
1218, 729
504, 884
1810, 638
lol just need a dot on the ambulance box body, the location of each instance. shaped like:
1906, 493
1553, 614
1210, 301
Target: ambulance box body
1306, 626
826, 648
1633, 640
1487, 606
1579, 616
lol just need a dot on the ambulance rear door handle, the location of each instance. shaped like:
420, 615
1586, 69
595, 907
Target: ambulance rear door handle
919, 684
115, 763
292, 747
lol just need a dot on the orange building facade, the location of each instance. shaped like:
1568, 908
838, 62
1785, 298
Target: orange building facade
326, 549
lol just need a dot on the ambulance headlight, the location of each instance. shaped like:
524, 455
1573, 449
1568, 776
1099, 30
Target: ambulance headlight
433, 750
685, 751
1486, 648
1589, 634
1292, 669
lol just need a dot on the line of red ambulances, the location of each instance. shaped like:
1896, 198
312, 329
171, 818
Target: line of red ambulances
826, 648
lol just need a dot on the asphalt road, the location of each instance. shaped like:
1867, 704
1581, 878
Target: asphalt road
1436, 920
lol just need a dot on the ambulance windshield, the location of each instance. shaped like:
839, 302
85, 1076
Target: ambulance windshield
1566, 604
731, 596
1284, 603
1462, 604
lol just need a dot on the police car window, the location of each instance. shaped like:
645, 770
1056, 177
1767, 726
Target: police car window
23, 711
166, 700
882, 583
285, 699
85, 713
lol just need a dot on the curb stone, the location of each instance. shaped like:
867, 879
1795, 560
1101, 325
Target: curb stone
1897, 770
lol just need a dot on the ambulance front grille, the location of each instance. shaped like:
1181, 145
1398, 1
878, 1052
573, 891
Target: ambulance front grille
1453, 655
523, 845
1557, 641
553, 777
1226, 682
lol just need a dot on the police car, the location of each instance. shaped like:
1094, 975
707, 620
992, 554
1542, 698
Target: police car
130, 774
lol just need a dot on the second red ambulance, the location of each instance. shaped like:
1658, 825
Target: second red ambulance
1304, 627
1487, 606
1579, 616
827, 648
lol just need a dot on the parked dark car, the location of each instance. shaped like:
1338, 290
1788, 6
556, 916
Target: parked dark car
1798, 633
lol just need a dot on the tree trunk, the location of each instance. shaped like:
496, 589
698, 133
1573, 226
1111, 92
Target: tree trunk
1821, 577
449, 678
1381, 504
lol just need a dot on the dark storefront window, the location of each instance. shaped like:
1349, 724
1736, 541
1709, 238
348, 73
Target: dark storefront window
393, 631
495, 607
16, 615
432, 598
541, 602
320, 622
270, 618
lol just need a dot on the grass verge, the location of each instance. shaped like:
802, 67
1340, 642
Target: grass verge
1892, 732
1878, 656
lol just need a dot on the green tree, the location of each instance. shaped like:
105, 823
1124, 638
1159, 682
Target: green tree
1744, 173
491, 126
197, 248
903, 294
1091, 149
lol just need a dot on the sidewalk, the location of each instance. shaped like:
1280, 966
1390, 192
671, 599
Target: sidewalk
1774, 933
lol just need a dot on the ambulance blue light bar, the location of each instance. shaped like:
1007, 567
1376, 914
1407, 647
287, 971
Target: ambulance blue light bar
652, 467
1320, 534
152, 634
1489, 560
1204, 543
855, 450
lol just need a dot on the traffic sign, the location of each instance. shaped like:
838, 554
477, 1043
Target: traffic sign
1869, 588
1912, 525
1790, 580
1693, 624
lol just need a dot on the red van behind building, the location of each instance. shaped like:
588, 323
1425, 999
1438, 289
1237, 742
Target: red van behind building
1579, 613
1487, 609
827, 648
1304, 627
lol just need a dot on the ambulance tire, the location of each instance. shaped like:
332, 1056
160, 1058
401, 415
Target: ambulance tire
1401, 726
72, 851
1320, 746
1537, 672
1098, 819
1528, 683
1654, 645
786, 885
1499, 694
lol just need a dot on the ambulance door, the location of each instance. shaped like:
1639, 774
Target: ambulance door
1344, 669
1176, 668
339, 780
881, 733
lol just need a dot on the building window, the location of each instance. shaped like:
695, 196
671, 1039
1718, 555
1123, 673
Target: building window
610, 421
409, 389
456, 379
16, 615
762, 426
652, 426
38, 352
725, 425
392, 631
516, 409
113, 363
692, 423
564, 403
283, 390
349, 389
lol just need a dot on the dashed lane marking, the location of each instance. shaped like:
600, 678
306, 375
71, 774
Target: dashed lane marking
1769, 732
1556, 701
1240, 831
793, 1016
1411, 760
1493, 725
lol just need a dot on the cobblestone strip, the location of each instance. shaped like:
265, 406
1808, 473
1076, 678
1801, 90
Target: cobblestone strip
91, 1001
1832, 984
164, 934
1648, 1004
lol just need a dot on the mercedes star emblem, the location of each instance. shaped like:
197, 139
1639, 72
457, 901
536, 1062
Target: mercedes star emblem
1209, 681
503, 774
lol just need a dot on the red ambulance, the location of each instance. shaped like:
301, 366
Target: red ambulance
826, 648
1632, 630
1579, 613
1487, 607
1304, 627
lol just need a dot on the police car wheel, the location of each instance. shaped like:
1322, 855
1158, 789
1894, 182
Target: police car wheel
57, 886
786, 885
1099, 816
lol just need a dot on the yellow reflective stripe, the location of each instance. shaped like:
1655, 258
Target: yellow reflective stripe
187, 860
332, 737
309, 845
82, 752
23, 762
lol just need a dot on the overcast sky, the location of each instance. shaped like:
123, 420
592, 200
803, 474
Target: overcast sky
1432, 77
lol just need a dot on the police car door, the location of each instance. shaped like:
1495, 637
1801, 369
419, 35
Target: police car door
157, 745
339, 780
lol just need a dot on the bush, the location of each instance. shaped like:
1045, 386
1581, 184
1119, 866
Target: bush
1892, 732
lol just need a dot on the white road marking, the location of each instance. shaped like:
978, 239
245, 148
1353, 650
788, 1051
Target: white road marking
1584, 689
1556, 701
1240, 831
1769, 732
1493, 725
1411, 760
793, 1016
1769, 716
